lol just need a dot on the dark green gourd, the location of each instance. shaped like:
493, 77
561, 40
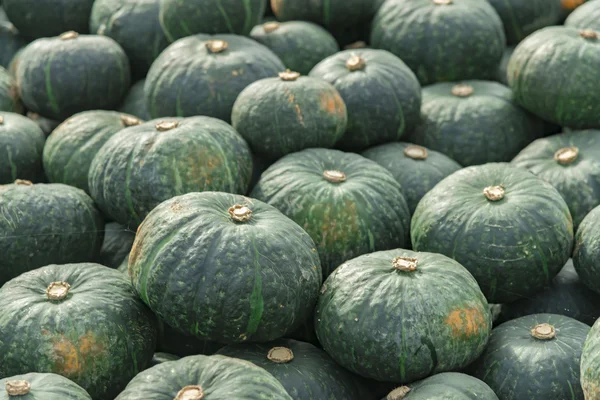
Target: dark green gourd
590, 364
21, 145
134, 102
9, 93
587, 250
116, 245
587, 16
447, 386
45, 386
10, 41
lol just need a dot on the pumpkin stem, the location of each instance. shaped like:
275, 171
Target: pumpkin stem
399, 393
566, 155
355, 63
588, 34
128, 120
69, 35
271, 26
58, 290
217, 46
462, 90
415, 152
191, 392
17, 388
543, 332
289, 76
494, 193
23, 182
280, 355
405, 264
240, 213
164, 126
334, 176
356, 45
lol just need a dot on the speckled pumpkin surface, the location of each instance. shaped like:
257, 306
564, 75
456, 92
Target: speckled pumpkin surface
587, 250
46, 386
447, 386
590, 364
21, 145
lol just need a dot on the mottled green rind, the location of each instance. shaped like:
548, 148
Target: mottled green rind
487, 126
514, 247
10, 42
578, 182
9, 93
541, 85
21, 145
365, 213
46, 387
587, 250
180, 344
116, 246
46, 224
134, 25
390, 325
279, 117
134, 102
501, 73
58, 78
383, 99
100, 336
45, 124
450, 386
160, 358
586, 16
438, 42
518, 366
590, 364
140, 167
187, 79
221, 378
416, 176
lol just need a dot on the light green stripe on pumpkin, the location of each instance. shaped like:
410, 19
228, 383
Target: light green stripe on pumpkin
247, 16
47, 70
225, 16
257, 304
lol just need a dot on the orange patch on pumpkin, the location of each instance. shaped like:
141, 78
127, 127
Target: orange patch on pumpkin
466, 321
70, 357
571, 4
332, 103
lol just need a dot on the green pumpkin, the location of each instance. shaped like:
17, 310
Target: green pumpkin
204, 74
534, 357
34, 386
587, 250
349, 205
510, 229
10, 42
83, 321
9, 93
447, 386
416, 168
541, 85
172, 341
590, 364
144, 165
502, 68
278, 116
191, 378
475, 122
585, 17
399, 316
134, 102
70, 149
116, 246
21, 145
46, 125
160, 358
441, 40
44, 224
382, 95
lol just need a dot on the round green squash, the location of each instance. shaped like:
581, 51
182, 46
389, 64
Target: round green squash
542, 85
510, 229
21, 145
305, 371
399, 315
441, 40
82, 321
349, 205
10, 42
416, 168
587, 250
382, 95
172, 341
587, 16
534, 357
160, 358
70, 149
134, 102
9, 93
144, 165
60, 76
474, 122
299, 44
447, 386
502, 68
34, 386
216, 377
116, 246
571, 163
134, 25
204, 74
590, 364
200, 254
46, 125
46, 224
283, 115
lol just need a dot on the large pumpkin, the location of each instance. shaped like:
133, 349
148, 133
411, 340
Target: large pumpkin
590, 364
116, 245
447, 385
9, 93
134, 102
35, 386
587, 16
587, 250
21, 145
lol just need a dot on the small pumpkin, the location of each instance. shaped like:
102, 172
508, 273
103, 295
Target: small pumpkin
134, 102
587, 250
116, 245
34, 386
21, 145
447, 385
587, 16
590, 364
9, 93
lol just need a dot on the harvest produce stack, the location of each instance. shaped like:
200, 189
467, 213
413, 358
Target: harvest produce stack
299, 199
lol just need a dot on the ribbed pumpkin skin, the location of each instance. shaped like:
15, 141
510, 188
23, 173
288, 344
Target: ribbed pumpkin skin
532, 74
10, 41
437, 41
590, 364
279, 117
587, 250
447, 386
9, 93
47, 387
220, 377
486, 126
416, 176
383, 98
187, 79
518, 366
70, 149
58, 77
140, 167
45, 224
579, 181
501, 74
100, 336
134, 102
513, 246
21, 145
116, 246
431, 320
587, 16
172, 341
365, 213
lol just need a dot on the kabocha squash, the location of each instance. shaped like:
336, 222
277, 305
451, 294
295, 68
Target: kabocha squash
474, 122
447, 385
299, 44
83, 321
501, 75
116, 245
542, 86
430, 315
585, 17
510, 229
21, 145
34, 386
534, 357
587, 250
416, 168
172, 341
9, 93
441, 40
278, 116
70, 149
46, 125
44, 224
203, 75
10, 41
60, 76
205, 377
200, 254
590, 364
382, 95
143, 165
348, 205
134, 102
160, 358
